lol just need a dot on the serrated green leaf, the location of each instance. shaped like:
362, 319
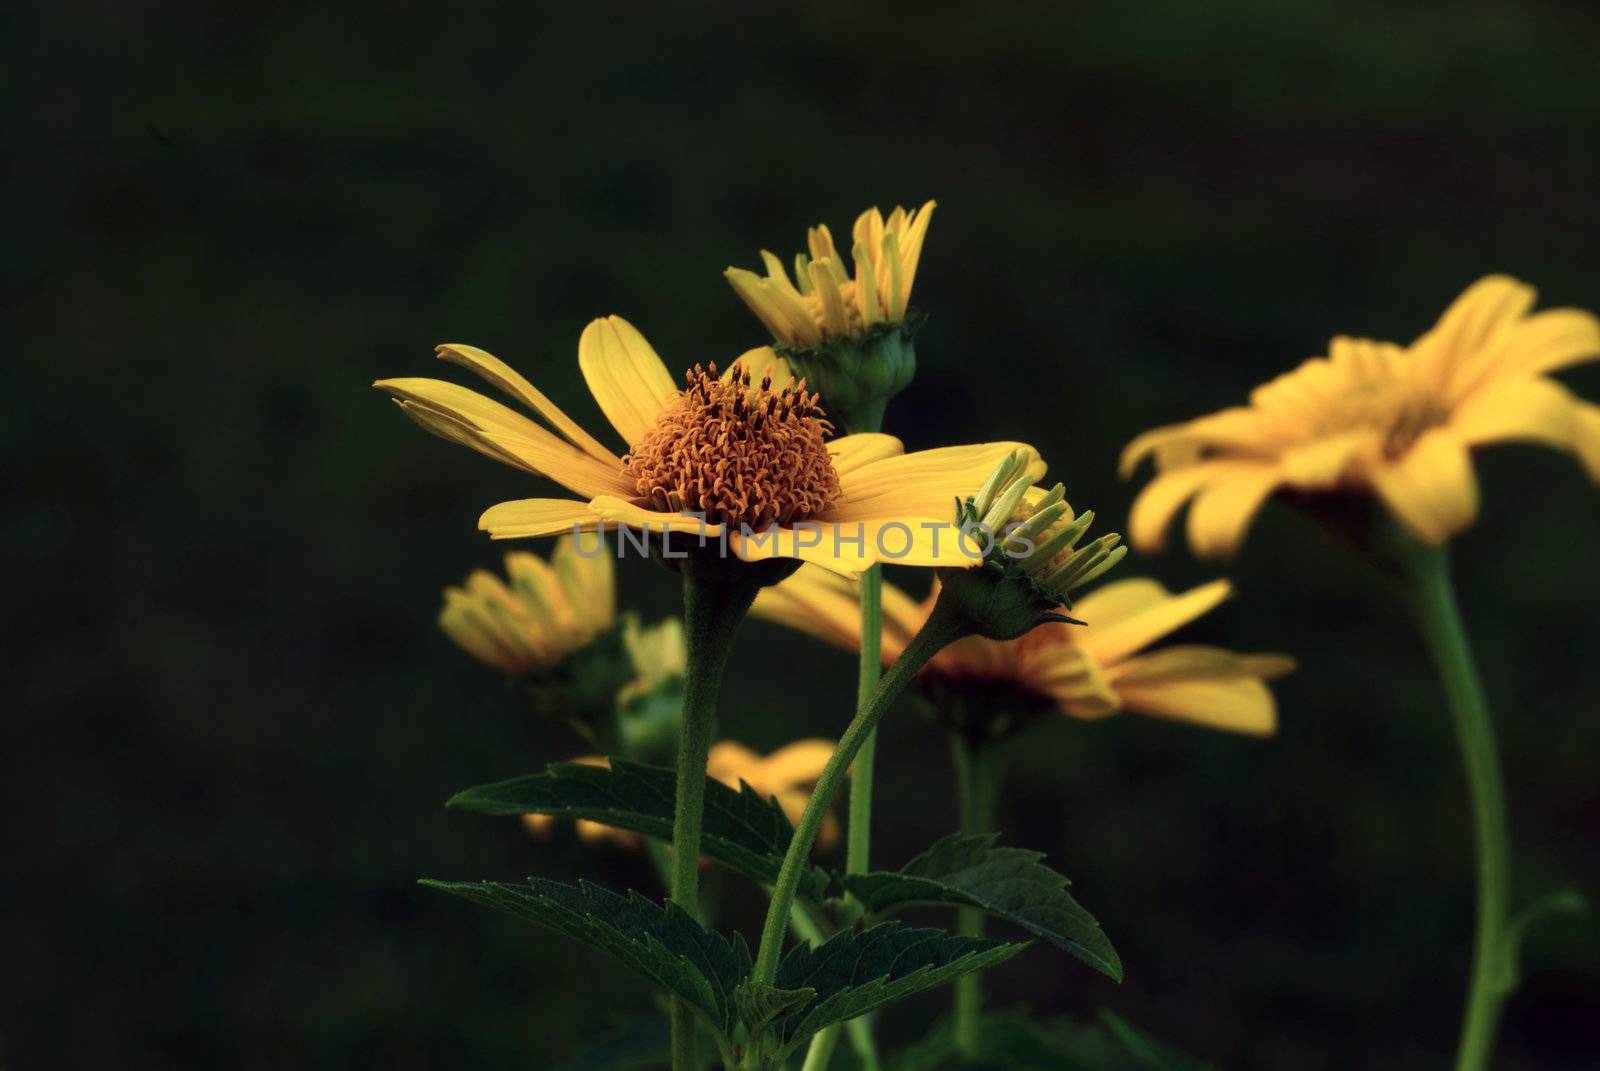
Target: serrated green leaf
853, 973
662, 943
967, 870
742, 829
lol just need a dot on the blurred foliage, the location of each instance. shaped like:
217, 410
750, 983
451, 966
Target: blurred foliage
231, 724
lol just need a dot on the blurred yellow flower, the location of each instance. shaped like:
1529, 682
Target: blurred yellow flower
658, 654
825, 301
1375, 417
787, 775
733, 456
541, 613
1089, 671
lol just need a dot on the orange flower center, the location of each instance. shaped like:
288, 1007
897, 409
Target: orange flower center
737, 453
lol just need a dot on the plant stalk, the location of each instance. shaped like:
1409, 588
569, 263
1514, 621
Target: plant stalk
942, 627
1427, 570
979, 770
713, 606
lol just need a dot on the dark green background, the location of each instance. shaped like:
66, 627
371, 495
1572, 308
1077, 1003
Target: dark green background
232, 723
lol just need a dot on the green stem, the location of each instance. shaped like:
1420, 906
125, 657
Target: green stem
1428, 571
713, 606
942, 627
979, 767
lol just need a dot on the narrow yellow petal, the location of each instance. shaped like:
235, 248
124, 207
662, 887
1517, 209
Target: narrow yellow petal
1522, 410
851, 452
1223, 511
866, 287
826, 287
1241, 704
617, 511
1472, 320
1432, 489
515, 384
754, 291
625, 376
1161, 499
925, 483
1110, 638
895, 293
528, 517
911, 250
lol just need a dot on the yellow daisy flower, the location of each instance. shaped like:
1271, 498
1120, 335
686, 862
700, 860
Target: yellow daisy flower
826, 300
541, 613
1375, 417
1090, 671
729, 457
787, 775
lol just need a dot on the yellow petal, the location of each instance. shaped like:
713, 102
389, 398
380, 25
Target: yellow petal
1063, 673
513, 383
1431, 490
1240, 704
924, 484
536, 517
1322, 463
1472, 320
625, 376
817, 602
1147, 444
1111, 637
502, 433
617, 511
762, 362
1527, 410
795, 764
911, 248
850, 452
1545, 342
1223, 511
1587, 438
1165, 495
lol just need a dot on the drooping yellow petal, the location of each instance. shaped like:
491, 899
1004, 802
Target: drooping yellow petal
1238, 704
515, 384
1165, 495
817, 602
1109, 637
625, 376
1431, 490
1222, 512
1528, 410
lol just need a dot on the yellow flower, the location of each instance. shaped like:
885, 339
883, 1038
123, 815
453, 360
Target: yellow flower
1089, 671
749, 456
541, 613
825, 301
1375, 417
659, 656
787, 775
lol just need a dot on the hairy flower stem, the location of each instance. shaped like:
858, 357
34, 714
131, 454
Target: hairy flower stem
979, 771
713, 606
943, 626
1427, 569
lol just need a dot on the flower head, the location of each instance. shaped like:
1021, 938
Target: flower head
1026, 539
1086, 672
743, 457
849, 332
1377, 418
542, 612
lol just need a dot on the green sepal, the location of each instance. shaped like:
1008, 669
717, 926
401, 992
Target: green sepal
743, 830
663, 943
967, 870
1508, 975
853, 973
857, 375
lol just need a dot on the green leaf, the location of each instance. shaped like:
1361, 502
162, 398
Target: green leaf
853, 973
742, 830
664, 944
967, 870
759, 1004
1561, 902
